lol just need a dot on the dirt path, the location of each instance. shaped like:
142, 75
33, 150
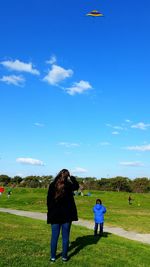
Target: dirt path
144, 238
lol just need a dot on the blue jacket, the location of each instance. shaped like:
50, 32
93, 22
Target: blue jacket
99, 211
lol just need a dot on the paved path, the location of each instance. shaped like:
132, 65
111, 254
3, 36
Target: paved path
144, 238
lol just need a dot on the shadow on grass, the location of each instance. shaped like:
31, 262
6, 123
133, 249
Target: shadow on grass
82, 242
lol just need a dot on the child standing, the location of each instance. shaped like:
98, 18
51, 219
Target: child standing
99, 211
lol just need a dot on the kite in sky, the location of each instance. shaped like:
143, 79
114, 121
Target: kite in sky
95, 13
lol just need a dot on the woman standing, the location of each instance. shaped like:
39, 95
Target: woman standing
61, 210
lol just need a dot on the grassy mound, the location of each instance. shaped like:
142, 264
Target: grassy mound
25, 242
135, 217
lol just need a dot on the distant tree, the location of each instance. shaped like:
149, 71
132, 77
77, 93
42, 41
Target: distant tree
105, 184
16, 180
120, 183
4, 179
90, 179
46, 180
90, 183
31, 181
117, 183
36, 181
141, 185
80, 179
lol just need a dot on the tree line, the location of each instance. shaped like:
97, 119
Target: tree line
118, 183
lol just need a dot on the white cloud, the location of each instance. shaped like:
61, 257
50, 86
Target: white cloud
79, 170
52, 60
57, 74
141, 126
108, 125
139, 148
66, 144
104, 143
30, 161
115, 132
118, 127
38, 124
131, 163
79, 88
20, 66
129, 121
13, 79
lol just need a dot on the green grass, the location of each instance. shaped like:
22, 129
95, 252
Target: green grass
119, 212
25, 242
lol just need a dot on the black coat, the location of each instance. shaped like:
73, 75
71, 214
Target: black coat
63, 209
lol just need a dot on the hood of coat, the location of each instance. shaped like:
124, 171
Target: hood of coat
98, 206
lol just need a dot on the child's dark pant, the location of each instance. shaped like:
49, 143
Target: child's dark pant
100, 226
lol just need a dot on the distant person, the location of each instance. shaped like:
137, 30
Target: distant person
130, 200
1, 190
81, 190
88, 194
9, 192
61, 210
99, 211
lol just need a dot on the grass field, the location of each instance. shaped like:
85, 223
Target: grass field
24, 242
119, 213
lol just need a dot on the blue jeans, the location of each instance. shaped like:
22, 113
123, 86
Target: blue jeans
65, 227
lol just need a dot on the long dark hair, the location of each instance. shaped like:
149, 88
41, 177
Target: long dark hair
60, 181
98, 201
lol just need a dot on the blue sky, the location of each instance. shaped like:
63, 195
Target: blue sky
74, 90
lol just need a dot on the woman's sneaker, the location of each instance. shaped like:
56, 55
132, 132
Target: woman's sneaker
52, 259
64, 259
